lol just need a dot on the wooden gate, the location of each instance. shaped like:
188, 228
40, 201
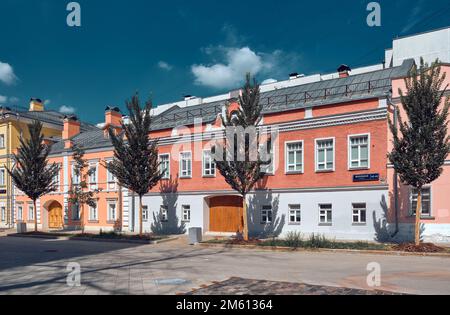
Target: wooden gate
226, 214
55, 216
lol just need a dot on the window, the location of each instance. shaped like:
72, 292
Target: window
295, 214
2, 177
3, 214
75, 212
2, 142
186, 213
112, 211
186, 164
144, 213
359, 213
57, 180
359, 152
209, 166
164, 214
164, 159
265, 156
426, 201
75, 177
20, 213
93, 174
93, 213
266, 215
294, 157
110, 176
325, 155
30, 212
325, 214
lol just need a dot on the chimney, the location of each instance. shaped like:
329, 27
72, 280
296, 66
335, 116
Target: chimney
113, 119
36, 105
293, 76
71, 129
344, 71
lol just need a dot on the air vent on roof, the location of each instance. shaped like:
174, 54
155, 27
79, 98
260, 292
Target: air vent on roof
344, 71
295, 75
189, 97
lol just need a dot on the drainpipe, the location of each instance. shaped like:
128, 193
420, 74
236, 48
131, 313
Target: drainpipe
395, 174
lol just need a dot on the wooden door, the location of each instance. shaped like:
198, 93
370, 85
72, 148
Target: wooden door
55, 219
226, 214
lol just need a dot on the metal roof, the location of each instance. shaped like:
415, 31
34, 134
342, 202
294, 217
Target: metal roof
362, 86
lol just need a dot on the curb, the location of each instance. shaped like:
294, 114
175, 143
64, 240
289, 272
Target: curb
324, 250
91, 239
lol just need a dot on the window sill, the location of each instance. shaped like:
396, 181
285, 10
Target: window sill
325, 224
93, 222
184, 221
424, 217
324, 171
294, 224
185, 177
112, 222
359, 224
209, 176
354, 169
295, 173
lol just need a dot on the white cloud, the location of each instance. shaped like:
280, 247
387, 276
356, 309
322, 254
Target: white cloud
164, 65
67, 110
238, 61
6, 99
268, 81
7, 75
230, 73
413, 17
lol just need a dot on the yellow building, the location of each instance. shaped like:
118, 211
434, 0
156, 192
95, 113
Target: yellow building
14, 123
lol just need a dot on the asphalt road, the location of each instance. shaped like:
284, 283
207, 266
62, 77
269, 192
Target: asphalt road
33, 266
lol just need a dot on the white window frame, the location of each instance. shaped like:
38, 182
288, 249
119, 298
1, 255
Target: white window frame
286, 157
186, 209
316, 154
293, 212
75, 179
2, 176
3, 214
109, 204
75, 208
327, 222
20, 212
359, 213
349, 142
212, 170
93, 185
91, 211
412, 210
30, 215
2, 142
168, 162
269, 169
185, 173
265, 214
145, 213
164, 213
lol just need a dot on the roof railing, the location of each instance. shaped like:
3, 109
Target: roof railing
282, 101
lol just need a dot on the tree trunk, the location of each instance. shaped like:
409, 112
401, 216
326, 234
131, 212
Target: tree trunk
35, 216
244, 207
418, 216
140, 216
82, 217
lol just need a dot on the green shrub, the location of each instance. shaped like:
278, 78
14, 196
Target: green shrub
294, 239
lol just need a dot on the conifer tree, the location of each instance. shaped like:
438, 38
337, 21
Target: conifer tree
135, 163
32, 175
422, 145
243, 173
79, 193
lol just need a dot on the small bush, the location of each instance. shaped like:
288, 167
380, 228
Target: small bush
294, 239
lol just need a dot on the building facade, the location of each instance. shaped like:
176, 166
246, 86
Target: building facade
329, 173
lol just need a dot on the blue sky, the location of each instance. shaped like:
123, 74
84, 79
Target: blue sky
171, 48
